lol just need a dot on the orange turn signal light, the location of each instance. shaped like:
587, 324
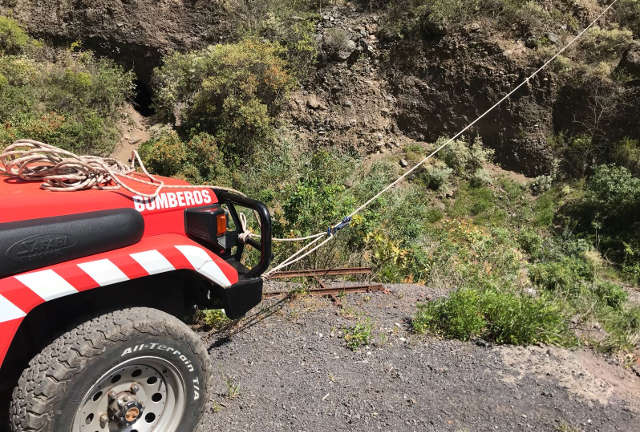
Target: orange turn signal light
221, 219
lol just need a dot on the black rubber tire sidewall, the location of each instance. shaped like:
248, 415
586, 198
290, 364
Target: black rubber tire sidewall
51, 387
186, 362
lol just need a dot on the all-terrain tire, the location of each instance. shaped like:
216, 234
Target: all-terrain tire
50, 390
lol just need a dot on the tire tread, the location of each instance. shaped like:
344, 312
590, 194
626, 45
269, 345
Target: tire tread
54, 368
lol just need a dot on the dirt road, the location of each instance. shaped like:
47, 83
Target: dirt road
288, 369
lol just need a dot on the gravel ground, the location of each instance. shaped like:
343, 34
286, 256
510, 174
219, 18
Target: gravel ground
287, 368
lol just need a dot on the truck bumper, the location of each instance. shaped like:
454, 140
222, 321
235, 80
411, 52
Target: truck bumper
240, 297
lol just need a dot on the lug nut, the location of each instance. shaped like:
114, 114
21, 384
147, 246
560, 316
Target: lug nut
104, 419
135, 388
112, 394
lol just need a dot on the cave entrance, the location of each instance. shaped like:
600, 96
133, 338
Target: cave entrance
143, 99
140, 59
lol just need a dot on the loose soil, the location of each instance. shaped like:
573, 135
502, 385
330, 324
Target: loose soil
134, 130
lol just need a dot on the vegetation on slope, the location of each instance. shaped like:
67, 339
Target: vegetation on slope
65, 97
522, 267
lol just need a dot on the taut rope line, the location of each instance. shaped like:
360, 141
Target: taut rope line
297, 257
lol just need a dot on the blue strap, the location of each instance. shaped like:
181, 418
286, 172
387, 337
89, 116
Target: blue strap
334, 229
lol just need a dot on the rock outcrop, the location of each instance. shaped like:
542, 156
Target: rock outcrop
134, 32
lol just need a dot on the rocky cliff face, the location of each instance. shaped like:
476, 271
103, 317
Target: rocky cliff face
379, 94
366, 94
134, 32
443, 85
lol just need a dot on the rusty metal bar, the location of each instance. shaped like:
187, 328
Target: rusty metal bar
325, 272
333, 291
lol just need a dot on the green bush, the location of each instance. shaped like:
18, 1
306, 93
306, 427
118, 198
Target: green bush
336, 40
615, 194
314, 201
496, 315
567, 277
164, 153
433, 18
297, 35
358, 335
233, 92
473, 201
197, 160
530, 242
73, 102
291, 23
541, 184
463, 158
436, 175
623, 330
626, 153
613, 295
577, 154
605, 45
13, 39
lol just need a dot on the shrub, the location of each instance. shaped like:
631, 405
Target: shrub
203, 154
496, 315
164, 154
530, 242
83, 80
291, 23
577, 154
615, 194
623, 329
297, 35
626, 152
628, 14
214, 318
436, 175
613, 295
314, 200
233, 92
541, 184
600, 45
480, 178
13, 39
337, 42
465, 159
72, 102
567, 277
388, 257
358, 335
197, 160
434, 18
471, 201
458, 316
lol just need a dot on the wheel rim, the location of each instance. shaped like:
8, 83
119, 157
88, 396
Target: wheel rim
143, 394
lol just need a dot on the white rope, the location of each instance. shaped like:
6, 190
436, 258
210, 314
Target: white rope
295, 258
246, 233
63, 171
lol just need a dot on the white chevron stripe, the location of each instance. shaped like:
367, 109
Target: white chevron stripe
47, 284
9, 311
213, 272
153, 262
203, 264
104, 272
